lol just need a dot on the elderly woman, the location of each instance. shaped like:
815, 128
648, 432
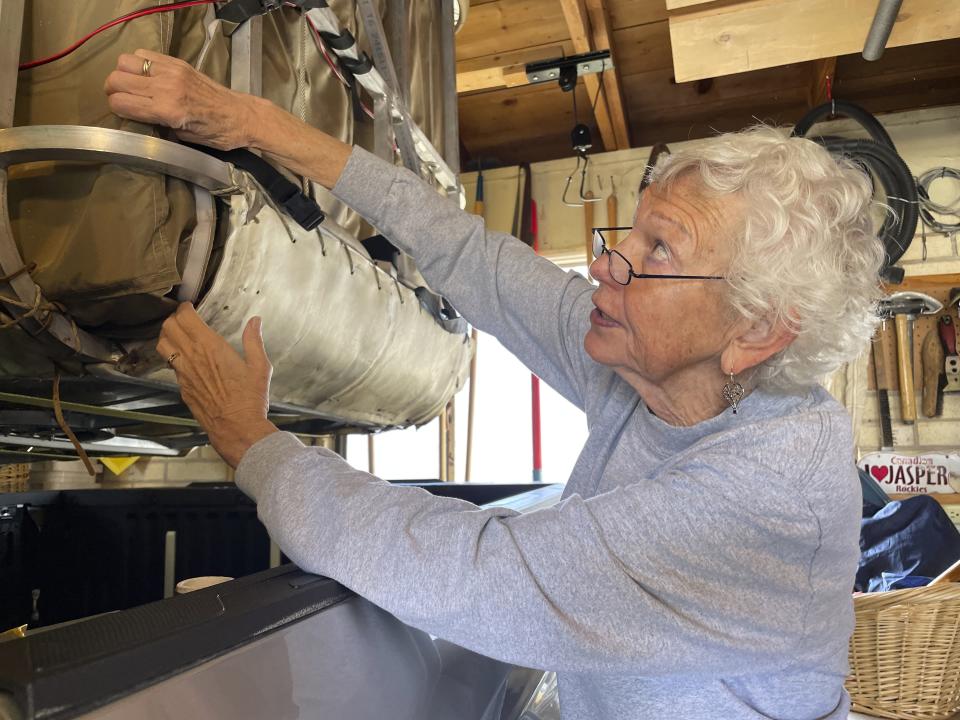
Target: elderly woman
702, 560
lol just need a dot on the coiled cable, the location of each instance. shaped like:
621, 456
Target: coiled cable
879, 159
929, 209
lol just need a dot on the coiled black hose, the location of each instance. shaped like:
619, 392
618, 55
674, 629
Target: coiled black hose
880, 160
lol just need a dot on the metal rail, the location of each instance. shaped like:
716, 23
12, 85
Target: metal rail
99, 411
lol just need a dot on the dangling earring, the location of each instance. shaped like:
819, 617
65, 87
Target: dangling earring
733, 393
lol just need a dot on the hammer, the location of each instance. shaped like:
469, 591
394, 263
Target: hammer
904, 307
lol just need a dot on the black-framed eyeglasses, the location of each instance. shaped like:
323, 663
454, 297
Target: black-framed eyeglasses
621, 271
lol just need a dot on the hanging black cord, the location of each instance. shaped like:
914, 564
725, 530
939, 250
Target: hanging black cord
596, 97
879, 159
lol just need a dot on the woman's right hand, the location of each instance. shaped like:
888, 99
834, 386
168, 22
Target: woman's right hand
172, 93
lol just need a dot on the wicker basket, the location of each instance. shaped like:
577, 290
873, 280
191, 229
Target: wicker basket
14, 478
905, 653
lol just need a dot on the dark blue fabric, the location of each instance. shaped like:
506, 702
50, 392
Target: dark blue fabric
874, 497
912, 537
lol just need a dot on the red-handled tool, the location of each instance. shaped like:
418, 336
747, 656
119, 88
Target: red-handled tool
948, 335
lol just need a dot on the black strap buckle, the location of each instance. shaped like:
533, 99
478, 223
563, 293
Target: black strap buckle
239, 11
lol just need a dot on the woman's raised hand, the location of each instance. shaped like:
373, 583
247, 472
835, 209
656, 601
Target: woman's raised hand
154, 88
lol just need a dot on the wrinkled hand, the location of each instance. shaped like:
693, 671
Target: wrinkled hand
174, 94
227, 393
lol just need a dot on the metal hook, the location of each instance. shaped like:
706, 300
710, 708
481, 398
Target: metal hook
583, 182
566, 186
582, 169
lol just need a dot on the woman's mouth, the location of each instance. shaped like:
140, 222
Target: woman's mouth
597, 317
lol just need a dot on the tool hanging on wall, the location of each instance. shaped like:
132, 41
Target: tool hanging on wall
947, 330
529, 234
612, 213
534, 380
904, 307
478, 208
884, 381
932, 357
588, 223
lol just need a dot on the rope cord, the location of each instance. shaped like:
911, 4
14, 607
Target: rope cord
61, 421
41, 309
29, 268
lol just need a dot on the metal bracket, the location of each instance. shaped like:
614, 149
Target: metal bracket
547, 70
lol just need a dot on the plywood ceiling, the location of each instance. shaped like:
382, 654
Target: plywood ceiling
530, 123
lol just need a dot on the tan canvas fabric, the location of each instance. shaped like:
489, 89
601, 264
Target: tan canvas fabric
298, 79
108, 240
104, 237
425, 79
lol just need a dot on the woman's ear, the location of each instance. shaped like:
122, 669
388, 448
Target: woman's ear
757, 343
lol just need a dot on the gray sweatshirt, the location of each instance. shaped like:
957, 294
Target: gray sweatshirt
697, 572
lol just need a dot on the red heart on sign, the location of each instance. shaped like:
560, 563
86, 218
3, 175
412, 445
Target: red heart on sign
879, 472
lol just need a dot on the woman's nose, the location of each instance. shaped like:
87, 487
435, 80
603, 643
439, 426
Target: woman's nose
598, 267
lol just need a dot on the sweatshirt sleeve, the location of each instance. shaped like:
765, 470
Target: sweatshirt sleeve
658, 577
538, 311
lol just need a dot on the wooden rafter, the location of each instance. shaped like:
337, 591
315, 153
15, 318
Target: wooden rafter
609, 115
502, 70
602, 40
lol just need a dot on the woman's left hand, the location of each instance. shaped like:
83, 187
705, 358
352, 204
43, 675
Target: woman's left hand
227, 393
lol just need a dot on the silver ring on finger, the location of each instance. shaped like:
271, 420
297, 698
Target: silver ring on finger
145, 71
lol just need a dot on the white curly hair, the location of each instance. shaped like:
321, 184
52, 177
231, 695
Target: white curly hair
808, 254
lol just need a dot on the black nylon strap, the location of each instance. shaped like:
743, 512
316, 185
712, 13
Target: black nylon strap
357, 67
238, 11
302, 209
343, 41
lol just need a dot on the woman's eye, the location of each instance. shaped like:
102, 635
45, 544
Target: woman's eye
660, 252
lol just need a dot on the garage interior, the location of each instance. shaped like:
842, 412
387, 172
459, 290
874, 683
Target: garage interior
544, 117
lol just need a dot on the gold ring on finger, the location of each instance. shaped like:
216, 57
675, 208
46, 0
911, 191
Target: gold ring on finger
173, 356
145, 71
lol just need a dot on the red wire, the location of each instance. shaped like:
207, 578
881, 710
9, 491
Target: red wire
333, 66
116, 21
323, 50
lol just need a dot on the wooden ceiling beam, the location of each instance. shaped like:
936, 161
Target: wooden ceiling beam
733, 37
503, 69
613, 94
582, 35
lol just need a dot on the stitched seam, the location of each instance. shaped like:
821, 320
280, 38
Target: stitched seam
819, 454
